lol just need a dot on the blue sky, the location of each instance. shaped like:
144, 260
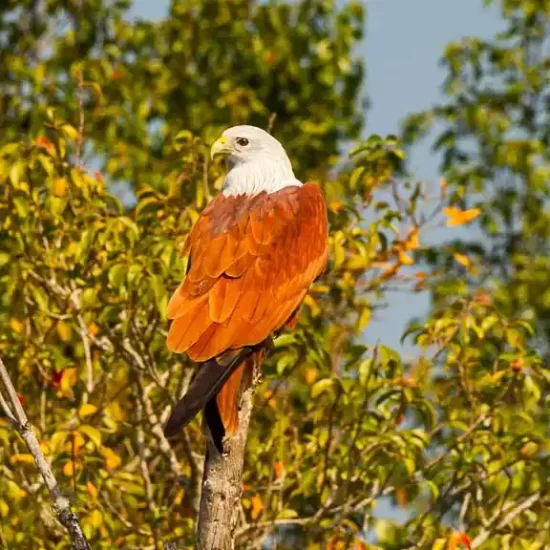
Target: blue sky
403, 44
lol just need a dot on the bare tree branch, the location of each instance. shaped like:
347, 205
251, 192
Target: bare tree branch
61, 503
222, 485
506, 520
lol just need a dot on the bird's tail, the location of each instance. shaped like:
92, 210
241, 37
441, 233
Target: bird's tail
215, 388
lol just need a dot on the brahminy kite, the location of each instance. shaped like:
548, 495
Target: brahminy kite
253, 254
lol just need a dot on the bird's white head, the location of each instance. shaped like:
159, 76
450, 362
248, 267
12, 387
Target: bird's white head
257, 161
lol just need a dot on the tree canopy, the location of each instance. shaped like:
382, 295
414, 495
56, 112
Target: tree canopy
104, 167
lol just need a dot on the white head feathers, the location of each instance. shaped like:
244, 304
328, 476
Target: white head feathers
257, 161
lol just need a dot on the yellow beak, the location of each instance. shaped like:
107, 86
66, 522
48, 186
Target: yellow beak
220, 147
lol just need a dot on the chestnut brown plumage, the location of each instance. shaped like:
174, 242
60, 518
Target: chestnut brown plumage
252, 259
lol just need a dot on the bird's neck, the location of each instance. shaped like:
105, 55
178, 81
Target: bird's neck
251, 178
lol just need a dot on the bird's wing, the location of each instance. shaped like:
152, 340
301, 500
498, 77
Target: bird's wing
252, 260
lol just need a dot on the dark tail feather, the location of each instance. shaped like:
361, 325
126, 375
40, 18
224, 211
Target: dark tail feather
202, 391
215, 423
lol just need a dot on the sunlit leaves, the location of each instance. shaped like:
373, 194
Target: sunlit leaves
453, 432
460, 217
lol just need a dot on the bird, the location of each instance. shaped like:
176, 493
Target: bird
253, 254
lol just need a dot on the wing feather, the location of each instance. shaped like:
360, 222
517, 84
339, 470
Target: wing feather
252, 262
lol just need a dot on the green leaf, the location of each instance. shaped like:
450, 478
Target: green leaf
321, 386
117, 275
93, 433
287, 513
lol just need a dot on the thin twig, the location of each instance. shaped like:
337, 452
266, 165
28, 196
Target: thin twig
271, 122
83, 330
507, 519
80, 139
61, 502
157, 430
7, 411
144, 468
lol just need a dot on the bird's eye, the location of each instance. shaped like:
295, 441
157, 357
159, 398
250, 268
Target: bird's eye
243, 142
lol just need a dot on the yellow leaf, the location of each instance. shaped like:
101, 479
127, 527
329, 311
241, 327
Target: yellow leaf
45, 447
69, 378
60, 187
178, 497
70, 132
16, 325
529, 450
4, 509
412, 240
87, 409
462, 259
313, 306
404, 259
68, 469
14, 492
257, 506
95, 518
114, 411
64, 331
24, 457
76, 443
460, 217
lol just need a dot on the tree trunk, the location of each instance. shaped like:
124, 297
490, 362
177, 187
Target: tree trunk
222, 485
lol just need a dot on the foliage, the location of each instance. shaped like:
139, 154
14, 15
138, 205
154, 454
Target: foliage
493, 139
208, 66
456, 437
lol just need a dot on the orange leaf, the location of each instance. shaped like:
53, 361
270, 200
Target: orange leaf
460, 217
269, 396
43, 141
518, 364
459, 538
406, 381
92, 490
482, 299
257, 506
279, 469
112, 459
311, 375
401, 496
